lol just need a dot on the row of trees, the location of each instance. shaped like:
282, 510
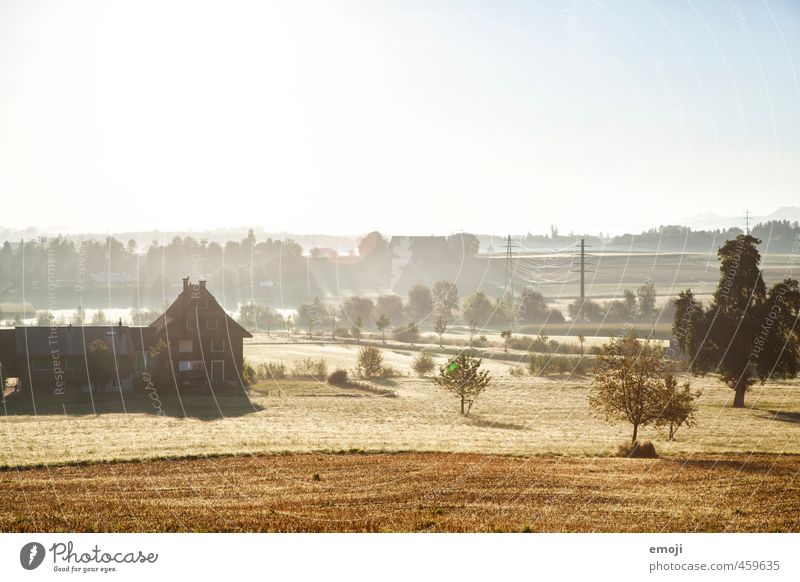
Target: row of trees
639, 306
436, 308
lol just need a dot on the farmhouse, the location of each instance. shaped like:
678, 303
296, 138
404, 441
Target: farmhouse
202, 344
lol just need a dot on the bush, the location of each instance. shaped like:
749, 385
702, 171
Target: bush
389, 371
637, 450
248, 373
517, 371
370, 362
338, 377
422, 364
272, 371
310, 367
408, 333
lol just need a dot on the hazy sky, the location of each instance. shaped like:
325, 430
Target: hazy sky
407, 117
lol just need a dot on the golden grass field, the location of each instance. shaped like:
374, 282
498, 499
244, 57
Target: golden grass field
521, 416
531, 456
423, 492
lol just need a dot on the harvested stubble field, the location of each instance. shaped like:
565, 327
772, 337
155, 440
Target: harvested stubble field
408, 492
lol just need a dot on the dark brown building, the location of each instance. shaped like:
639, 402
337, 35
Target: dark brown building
204, 346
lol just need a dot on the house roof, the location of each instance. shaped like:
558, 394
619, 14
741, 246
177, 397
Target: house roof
191, 295
66, 341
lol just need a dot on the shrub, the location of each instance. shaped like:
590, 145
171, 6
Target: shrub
310, 367
537, 364
389, 371
422, 364
408, 333
370, 362
517, 371
248, 373
338, 377
637, 450
272, 370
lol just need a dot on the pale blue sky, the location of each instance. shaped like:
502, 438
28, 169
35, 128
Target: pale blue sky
408, 117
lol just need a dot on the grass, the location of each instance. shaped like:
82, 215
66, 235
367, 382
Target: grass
408, 492
516, 415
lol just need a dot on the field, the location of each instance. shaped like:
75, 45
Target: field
517, 415
425, 492
394, 455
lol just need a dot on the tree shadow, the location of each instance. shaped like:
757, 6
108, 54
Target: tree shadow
785, 416
198, 404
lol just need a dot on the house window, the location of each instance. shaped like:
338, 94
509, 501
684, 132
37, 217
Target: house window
212, 323
217, 344
189, 365
191, 323
185, 346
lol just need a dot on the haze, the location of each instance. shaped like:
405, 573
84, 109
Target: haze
406, 117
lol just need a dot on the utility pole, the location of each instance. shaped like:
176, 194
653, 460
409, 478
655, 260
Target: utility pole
509, 267
747, 221
583, 271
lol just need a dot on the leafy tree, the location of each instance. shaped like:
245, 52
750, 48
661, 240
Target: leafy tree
79, 316
312, 316
383, 324
464, 245
462, 377
440, 327
99, 318
422, 364
356, 329
373, 245
506, 335
680, 408
358, 308
254, 317
408, 333
533, 308
624, 310
100, 364
687, 325
477, 307
646, 302
589, 311
445, 299
370, 362
630, 383
748, 333
420, 303
391, 306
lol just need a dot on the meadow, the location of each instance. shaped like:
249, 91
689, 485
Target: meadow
518, 415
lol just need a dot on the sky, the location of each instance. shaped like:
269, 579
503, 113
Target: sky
410, 117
